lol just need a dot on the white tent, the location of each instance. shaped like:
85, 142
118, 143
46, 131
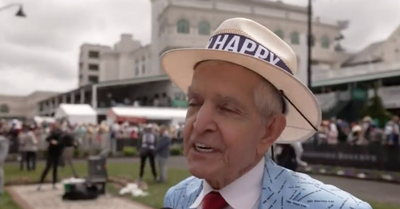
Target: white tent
146, 113
39, 119
77, 113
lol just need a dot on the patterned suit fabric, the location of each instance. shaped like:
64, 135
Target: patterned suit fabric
282, 189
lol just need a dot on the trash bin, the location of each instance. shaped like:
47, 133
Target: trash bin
97, 172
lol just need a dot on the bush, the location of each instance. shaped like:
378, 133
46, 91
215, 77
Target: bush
176, 150
129, 151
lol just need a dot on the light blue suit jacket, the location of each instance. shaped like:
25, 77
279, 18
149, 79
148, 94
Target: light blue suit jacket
282, 189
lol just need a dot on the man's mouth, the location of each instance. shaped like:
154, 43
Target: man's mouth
203, 148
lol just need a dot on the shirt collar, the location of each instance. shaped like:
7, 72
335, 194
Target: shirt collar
242, 193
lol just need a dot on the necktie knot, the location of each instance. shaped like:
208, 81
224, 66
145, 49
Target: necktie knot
214, 200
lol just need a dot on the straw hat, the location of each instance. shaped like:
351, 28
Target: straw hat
249, 44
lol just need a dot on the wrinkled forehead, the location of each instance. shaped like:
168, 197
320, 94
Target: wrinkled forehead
224, 73
232, 70
223, 82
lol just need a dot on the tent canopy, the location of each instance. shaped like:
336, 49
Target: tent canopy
39, 119
140, 114
77, 113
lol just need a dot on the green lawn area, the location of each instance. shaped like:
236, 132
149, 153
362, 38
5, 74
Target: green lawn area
128, 170
7, 202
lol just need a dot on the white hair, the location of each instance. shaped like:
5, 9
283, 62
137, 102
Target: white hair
267, 99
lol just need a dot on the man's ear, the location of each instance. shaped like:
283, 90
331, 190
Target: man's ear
273, 130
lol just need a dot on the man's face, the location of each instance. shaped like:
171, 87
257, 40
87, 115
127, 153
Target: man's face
223, 130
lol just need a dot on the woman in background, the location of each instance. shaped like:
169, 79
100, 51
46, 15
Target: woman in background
29, 146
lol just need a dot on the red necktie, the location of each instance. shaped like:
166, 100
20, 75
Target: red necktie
214, 200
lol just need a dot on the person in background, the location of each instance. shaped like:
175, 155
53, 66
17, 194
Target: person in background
4, 146
12, 135
114, 132
392, 132
367, 128
54, 152
323, 132
286, 156
69, 145
298, 148
333, 132
147, 149
356, 134
80, 132
29, 146
376, 135
162, 153
343, 131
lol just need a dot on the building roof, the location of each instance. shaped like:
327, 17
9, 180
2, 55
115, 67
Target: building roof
366, 55
133, 81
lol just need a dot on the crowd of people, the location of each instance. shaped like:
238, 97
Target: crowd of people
363, 132
59, 139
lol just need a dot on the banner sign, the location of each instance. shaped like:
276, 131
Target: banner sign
373, 156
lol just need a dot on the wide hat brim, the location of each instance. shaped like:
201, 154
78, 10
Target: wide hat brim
179, 65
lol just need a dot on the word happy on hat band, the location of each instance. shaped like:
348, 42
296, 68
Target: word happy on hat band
241, 44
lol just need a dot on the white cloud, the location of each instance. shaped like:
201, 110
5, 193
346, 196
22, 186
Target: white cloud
40, 52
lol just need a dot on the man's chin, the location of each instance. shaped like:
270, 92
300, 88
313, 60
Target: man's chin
200, 171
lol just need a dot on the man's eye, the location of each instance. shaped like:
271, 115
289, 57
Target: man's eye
227, 109
193, 102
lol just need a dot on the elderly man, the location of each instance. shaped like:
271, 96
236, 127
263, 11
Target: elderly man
243, 97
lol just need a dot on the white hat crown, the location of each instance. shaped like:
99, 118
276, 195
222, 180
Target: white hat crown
249, 37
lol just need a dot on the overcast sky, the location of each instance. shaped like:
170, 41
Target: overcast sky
40, 52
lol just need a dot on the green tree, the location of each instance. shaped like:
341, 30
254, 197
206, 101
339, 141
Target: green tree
375, 109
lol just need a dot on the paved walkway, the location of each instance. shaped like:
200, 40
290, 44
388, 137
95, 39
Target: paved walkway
47, 198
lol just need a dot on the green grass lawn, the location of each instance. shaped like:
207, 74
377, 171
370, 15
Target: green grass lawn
128, 170
7, 202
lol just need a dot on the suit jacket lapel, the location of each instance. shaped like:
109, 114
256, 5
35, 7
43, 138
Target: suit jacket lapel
188, 194
279, 190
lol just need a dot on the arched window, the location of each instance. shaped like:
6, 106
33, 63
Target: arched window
183, 26
4, 108
295, 38
312, 40
280, 34
325, 42
203, 28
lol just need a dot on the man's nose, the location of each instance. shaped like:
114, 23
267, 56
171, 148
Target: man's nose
205, 119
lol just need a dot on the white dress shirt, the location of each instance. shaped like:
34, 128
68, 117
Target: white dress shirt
243, 193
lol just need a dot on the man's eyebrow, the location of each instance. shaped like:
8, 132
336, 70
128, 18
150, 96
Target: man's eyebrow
232, 100
191, 91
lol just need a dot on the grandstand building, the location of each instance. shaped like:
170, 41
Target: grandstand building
130, 71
